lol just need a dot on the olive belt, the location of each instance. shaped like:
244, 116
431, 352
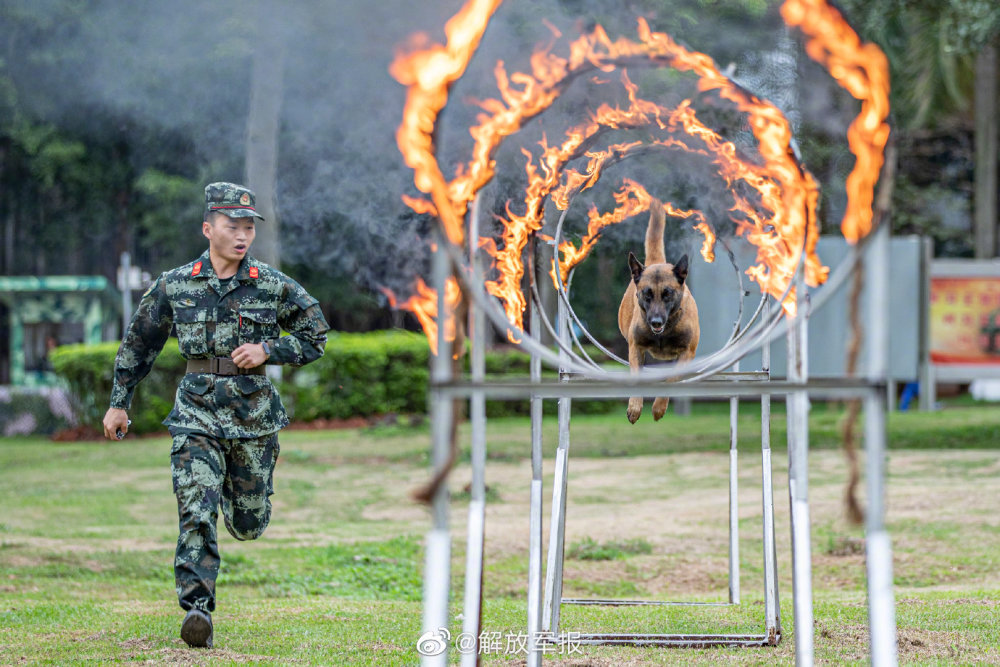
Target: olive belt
221, 366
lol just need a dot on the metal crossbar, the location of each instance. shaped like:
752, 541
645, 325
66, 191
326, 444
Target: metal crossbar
672, 641
796, 390
557, 535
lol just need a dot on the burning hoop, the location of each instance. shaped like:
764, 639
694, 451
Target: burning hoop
780, 220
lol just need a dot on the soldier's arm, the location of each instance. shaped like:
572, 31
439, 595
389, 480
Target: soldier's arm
147, 333
300, 315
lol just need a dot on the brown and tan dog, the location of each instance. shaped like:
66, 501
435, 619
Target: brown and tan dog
658, 315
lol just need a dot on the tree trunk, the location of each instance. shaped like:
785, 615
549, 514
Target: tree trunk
262, 130
986, 152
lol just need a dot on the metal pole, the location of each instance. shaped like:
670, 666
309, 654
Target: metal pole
125, 285
557, 524
473, 607
734, 503
772, 613
928, 389
535, 521
798, 478
878, 551
437, 565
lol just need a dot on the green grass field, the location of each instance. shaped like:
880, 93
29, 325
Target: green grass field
88, 529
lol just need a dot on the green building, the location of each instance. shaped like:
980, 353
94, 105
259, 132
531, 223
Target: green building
37, 314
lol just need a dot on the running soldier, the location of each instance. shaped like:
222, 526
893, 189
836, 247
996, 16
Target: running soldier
228, 310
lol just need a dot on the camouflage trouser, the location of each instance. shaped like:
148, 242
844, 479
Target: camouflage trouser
208, 471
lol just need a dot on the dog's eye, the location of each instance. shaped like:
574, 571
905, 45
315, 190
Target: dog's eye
667, 293
647, 294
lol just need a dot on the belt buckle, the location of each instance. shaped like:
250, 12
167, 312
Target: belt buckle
213, 365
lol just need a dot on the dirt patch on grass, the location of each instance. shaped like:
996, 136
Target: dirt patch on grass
50, 546
382, 646
914, 645
198, 656
679, 503
135, 643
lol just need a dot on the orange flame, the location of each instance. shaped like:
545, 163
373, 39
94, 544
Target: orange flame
424, 305
632, 200
420, 205
863, 70
428, 74
781, 218
788, 192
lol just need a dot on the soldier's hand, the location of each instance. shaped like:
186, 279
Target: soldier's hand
249, 355
115, 419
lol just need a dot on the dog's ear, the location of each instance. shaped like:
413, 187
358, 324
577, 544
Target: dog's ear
681, 269
636, 268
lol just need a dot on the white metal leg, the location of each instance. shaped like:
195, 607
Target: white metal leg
557, 523
535, 521
772, 613
878, 548
437, 567
472, 614
734, 501
798, 481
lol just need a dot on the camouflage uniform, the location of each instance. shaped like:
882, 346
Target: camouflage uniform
224, 427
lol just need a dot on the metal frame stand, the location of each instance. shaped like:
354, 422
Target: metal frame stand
557, 536
798, 478
476, 537
797, 388
437, 567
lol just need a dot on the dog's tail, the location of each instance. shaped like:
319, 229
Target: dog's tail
655, 254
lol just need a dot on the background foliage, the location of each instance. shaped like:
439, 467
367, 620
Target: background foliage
360, 375
112, 119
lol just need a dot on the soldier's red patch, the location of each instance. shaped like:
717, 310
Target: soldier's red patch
254, 273
196, 269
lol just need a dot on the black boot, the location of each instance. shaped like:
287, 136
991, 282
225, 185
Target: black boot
196, 629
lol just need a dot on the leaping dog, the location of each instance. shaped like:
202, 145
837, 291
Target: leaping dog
658, 314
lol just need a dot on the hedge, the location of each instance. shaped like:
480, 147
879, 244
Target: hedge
360, 375
387, 372
87, 370
34, 410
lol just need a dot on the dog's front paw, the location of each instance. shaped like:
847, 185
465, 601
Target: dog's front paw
660, 407
634, 409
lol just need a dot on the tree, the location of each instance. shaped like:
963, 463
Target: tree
943, 59
263, 123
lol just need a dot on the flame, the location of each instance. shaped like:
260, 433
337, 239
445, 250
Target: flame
420, 205
632, 200
428, 74
863, 70
777, 214
424, 305
708, 245
787, 192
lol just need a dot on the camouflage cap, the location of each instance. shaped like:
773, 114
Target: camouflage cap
234, 200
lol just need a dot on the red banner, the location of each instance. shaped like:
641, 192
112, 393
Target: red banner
965, 320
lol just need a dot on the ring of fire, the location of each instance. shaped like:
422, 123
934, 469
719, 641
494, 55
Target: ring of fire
787, 191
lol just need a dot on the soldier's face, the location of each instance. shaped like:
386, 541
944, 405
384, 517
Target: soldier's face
229, 238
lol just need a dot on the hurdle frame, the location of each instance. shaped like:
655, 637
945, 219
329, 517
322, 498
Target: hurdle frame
798, 387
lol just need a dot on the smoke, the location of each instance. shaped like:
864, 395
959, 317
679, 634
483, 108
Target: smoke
185, 69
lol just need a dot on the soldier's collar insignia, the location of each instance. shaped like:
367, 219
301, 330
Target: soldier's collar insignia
196, 269
254, 273
245, 199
